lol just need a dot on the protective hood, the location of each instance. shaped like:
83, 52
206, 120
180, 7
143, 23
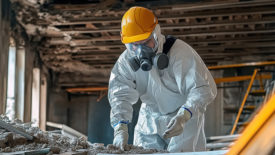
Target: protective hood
161, 38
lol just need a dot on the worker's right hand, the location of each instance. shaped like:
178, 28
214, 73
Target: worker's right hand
176, 124
121, 136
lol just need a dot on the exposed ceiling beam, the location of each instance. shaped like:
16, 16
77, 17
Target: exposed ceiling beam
197, 45
175, 26
221, 5
81, 42
222, 13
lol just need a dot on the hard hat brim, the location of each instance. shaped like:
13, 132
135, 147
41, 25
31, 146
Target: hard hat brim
126, 40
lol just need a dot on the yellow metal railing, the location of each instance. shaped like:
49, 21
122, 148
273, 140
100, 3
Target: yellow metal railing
243, 78
262, 63
244, 100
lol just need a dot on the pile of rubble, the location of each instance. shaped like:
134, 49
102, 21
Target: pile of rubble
55, 142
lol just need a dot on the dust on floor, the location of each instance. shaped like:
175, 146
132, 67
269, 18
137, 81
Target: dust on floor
58, 143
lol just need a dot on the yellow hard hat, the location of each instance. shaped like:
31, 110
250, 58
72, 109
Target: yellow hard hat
137, 24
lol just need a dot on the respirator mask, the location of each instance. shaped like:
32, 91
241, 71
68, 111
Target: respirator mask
145, 55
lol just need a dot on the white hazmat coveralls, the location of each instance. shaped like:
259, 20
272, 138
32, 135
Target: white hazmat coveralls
186, 82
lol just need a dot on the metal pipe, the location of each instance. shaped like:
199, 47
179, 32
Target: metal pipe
88, 89
224, 138
217, 145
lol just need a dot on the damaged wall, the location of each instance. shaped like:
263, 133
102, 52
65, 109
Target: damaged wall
71, 110
5, 16
9, 28
99, 128
23, 42
214, 112
99, 122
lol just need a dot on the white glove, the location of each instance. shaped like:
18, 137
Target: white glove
176, 124
121, 136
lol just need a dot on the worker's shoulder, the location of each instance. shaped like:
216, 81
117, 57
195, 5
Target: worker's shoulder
182, 45
181, 49
123, 55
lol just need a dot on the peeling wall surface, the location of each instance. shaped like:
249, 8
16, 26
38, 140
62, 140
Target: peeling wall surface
5, 14
7, 30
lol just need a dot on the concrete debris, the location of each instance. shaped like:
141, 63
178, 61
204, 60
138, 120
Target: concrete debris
11, 142
58, 143
130, 149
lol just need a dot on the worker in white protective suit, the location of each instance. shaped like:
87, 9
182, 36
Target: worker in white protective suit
174, 88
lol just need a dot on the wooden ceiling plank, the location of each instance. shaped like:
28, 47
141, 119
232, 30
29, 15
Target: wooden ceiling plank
164, 18
173, 26
222, 5
60, 41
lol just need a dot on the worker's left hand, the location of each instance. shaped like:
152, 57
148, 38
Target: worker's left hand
176, 124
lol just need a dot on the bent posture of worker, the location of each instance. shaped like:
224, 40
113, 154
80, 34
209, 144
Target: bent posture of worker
170, 79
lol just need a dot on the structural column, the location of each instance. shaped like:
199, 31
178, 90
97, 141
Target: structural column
4, 44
